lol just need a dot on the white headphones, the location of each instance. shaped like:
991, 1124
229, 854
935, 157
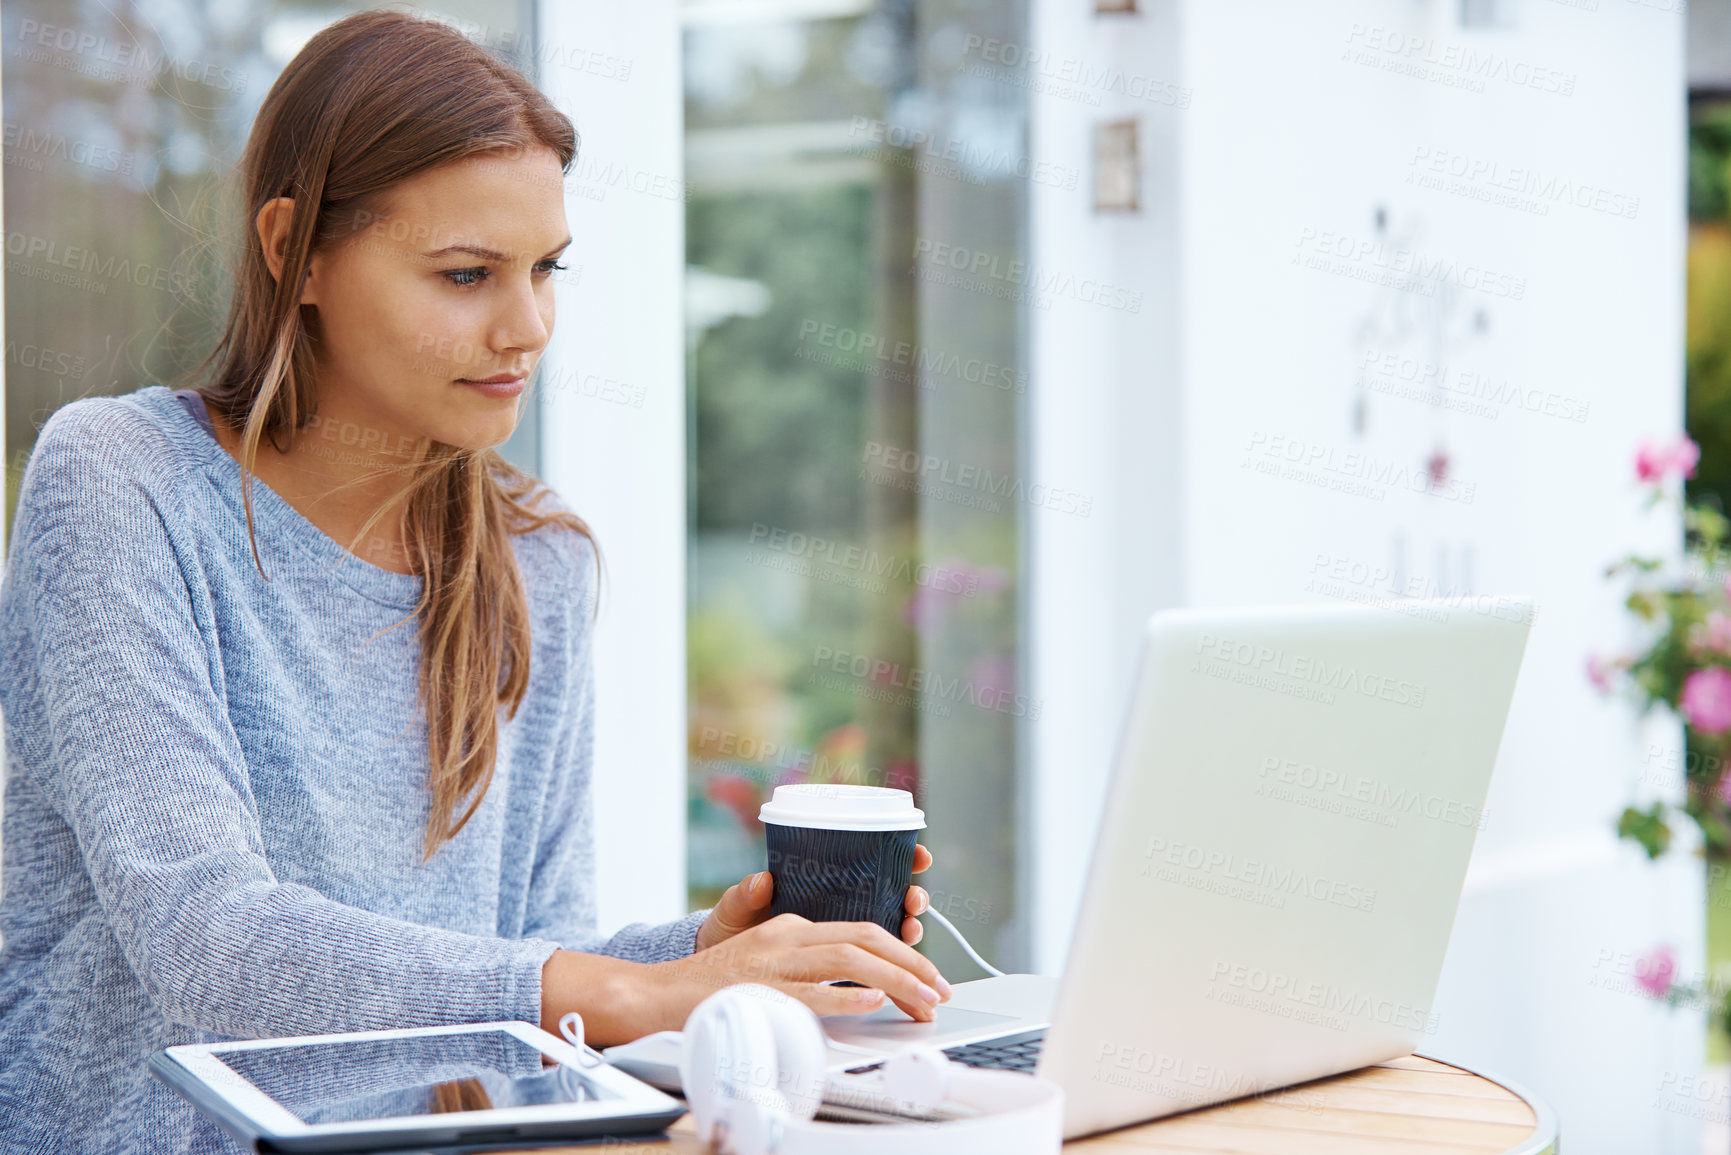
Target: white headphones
752, 1060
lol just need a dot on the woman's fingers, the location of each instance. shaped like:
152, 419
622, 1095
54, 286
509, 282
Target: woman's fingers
846, 960
745, 904
805, 958
824, 999
875, 940
917, 901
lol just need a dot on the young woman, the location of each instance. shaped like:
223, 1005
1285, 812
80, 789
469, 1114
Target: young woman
242, 799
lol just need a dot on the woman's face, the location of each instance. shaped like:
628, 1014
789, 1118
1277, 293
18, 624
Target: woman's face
448, 284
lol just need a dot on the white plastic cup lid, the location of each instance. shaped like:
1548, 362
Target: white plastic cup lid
838, 806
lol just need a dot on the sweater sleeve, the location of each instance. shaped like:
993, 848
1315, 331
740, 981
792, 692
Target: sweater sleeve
129, 736
561, 891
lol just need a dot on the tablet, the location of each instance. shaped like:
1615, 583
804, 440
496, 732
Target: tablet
472, 1086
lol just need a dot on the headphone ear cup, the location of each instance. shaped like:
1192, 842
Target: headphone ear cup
749, 1128
800, 1051
727, 1060
918, 1077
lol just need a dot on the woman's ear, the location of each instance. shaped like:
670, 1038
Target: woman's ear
274, 221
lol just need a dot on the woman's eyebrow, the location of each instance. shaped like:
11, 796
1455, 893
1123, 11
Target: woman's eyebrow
487, 254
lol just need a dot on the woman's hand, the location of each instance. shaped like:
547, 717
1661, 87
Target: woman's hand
801, 957
746, 904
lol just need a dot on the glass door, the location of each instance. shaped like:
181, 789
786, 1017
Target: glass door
855, 319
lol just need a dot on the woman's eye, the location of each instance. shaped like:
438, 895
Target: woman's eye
468, 278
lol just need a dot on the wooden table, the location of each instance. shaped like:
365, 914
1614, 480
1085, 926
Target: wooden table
1414, 1105
1407, 1105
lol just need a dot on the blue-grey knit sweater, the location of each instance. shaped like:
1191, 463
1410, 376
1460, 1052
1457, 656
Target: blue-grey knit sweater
216, 787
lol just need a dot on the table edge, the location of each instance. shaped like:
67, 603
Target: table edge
1543, 1140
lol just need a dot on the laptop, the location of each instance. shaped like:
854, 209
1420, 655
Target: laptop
1295, 796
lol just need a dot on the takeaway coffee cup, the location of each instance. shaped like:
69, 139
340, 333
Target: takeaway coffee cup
841, 853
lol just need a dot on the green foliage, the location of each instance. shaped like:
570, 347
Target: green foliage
1647, 827
1708, 329
1687, 624
779, 430
1710, 162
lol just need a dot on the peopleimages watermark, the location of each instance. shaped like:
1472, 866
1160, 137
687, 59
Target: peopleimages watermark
1353, 473
27, 148
992, 269
1253, 879
927, 685
366, 440
85, 269
1134, 1067
925, 472
1279, 669
1460, 390
1373, 260
863, 561
1067, 77
1625, 973
1668, 766
835, 877
1518, 187
569, 379
1416, 595
965, 159
1693, 1096
124, 62
43, 359
1463, 66
922, 362
1315, 1001
1357, 796
771, 763
524, 44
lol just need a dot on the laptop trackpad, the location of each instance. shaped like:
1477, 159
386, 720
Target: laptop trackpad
890, 1027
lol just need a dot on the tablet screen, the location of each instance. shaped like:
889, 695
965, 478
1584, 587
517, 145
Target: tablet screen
418, 1075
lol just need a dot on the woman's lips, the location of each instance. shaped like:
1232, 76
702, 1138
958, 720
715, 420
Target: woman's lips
498, 385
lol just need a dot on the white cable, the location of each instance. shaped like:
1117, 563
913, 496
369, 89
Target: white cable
972, 953
571, 1026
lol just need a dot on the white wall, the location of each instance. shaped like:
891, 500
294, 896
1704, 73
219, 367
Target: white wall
1290, 136
1104, 417
613, 434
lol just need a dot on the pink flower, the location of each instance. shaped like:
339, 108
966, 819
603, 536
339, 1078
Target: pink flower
943, 583
1655, 463
1656, 970
992, 677
1599, 673
1706, 700
1718, 632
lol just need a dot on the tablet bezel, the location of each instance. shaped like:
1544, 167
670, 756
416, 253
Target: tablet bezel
274, 1121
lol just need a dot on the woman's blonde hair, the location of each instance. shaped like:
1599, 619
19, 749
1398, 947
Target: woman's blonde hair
368, 102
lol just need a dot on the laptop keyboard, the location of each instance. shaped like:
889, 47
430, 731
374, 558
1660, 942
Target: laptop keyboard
1008, 1053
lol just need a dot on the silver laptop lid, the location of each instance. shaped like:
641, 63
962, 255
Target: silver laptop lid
1281, 855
